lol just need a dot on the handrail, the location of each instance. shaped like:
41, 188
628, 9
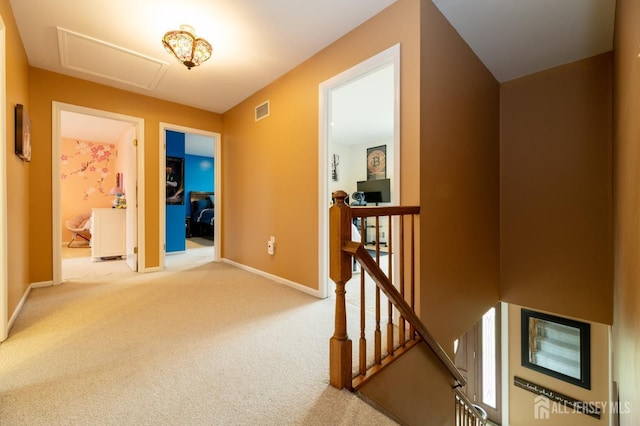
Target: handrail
479, 418
400, 300
384, 211
342, 250
381, 280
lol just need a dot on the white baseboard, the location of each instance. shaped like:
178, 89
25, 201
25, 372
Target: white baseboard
294, 285
41, 284
18, 309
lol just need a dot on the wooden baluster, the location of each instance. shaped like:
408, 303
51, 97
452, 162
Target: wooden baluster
363, 310
378, 333
378, 240
363, 304
401, 321
390, 332
413, 273
464, 415
340, 265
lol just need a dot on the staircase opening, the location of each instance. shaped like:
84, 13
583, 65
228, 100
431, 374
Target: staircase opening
478, 357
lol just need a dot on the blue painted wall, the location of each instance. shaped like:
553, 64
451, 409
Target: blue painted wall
175, 218
198, 176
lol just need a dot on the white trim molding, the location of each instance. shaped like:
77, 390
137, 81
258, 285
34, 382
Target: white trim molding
217, 155
138, 123
390, 56
4, 262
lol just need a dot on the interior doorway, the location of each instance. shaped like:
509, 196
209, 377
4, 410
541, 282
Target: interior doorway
359, 112
180, 231
478, 356
129, 180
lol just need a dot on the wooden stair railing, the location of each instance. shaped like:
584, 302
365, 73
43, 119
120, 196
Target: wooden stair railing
467, 414
401, 314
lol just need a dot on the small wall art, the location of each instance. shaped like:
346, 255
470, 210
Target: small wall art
377, 162
335, 162
175, 180
23, 133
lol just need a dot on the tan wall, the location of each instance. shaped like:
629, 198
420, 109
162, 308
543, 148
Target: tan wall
19, 229
556, 176
521, 402
271, 166
415, 390
459, 165
47, 87
627, 206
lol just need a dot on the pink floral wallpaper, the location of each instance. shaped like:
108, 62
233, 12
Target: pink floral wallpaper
87, 174
87, 162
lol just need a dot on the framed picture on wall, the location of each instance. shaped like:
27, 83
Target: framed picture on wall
335, 162
377, 162
556, 346
23, 133
175, 180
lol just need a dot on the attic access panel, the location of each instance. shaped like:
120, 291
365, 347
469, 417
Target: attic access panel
98, 58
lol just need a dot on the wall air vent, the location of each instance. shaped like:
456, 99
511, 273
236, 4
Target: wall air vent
262, 111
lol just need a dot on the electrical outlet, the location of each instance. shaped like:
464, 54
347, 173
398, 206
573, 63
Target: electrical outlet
271, 246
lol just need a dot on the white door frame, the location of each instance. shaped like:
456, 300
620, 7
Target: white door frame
4, 274
384, 58
56, 137
217, 155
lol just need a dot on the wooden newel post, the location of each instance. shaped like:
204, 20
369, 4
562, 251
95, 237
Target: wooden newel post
340, 272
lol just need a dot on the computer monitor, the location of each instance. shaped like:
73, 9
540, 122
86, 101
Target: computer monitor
376, 191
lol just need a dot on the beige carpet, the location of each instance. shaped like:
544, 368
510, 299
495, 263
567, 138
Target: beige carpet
77, 264
208, 344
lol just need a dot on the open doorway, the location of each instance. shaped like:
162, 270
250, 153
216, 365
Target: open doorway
478, 356
101, 152
190, 199
360, 115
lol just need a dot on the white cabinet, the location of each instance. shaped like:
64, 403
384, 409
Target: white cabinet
108, 232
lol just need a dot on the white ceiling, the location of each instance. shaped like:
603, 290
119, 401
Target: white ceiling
198, 145
83, 127
362, 110
256, 41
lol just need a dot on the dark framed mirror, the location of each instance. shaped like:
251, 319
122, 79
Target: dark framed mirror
556, 346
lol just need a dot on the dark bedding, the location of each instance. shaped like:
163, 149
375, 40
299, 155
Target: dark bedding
202, 214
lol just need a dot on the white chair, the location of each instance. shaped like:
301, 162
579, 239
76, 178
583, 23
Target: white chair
80, 226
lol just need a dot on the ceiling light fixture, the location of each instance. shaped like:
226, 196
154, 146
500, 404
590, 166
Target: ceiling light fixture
188, 49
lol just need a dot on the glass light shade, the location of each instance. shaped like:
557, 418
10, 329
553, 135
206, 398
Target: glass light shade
188, 49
